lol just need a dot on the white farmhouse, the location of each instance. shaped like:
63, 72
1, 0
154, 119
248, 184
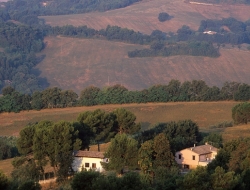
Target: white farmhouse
88, 160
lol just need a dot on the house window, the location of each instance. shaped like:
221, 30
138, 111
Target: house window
179, 156
86, 165
193, 157
93, 165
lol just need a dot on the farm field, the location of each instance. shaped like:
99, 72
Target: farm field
203, 113
72, 63
143, 16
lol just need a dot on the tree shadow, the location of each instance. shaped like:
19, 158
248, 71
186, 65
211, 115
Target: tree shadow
42, 81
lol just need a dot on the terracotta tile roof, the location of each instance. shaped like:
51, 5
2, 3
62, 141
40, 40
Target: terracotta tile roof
89, 154
203, 149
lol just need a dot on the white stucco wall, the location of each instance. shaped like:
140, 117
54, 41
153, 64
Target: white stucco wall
79, 163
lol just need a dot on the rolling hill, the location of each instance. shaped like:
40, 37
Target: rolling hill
72, 63
143, 16
77, 63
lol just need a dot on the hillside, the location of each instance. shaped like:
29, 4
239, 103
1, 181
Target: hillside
83, 62
72, 63
203, 113
143, 16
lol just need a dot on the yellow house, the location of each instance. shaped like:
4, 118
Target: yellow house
195, 156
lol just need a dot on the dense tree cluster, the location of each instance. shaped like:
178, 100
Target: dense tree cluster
180, 134
241, 113
8, 147
196, 90
22, 8
19, 44
193, 48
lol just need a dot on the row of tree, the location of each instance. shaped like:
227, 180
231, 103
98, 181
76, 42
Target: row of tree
194, 48
196, 90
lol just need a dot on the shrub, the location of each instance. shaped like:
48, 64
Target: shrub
163, 17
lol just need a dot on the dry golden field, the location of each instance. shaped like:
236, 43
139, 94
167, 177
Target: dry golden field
203, 113
143, 16
72, 63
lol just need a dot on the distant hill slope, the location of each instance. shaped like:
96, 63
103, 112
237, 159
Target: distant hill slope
143, 16
72, 63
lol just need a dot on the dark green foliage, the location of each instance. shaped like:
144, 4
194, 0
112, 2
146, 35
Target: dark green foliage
4, 182
20, 9
166, 178
155, 154
122, 152
89, 96
214, 139
196, 90
180, 134
20, 43
241, 113
224, 180
8, 147
100, 123
197, 179
25, 169
84, 180
50, 143
243, 92
91, 180
31, 185
222, 125
233, 156
194, 48
125, 121
163, 16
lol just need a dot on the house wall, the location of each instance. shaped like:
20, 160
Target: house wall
79, 164
187, 158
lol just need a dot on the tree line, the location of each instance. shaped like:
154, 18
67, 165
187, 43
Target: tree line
194, 48
196, 90
62, 7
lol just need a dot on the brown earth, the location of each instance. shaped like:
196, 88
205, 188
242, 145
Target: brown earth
73, 63
143, 16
